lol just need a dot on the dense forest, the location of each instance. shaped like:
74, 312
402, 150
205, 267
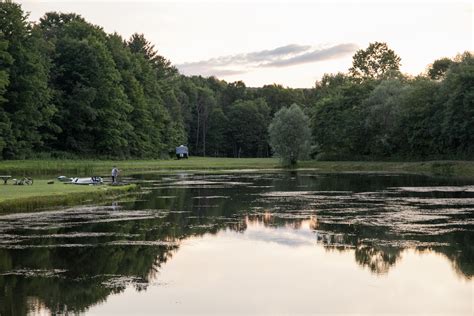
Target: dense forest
68, 89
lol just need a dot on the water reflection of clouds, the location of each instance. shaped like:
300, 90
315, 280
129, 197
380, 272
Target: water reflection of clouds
289, 235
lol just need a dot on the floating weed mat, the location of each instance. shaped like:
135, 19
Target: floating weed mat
394, 211
65, 228
30, 273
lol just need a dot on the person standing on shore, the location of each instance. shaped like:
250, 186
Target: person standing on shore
115, 173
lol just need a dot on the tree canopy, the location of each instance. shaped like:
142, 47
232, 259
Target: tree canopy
69, 89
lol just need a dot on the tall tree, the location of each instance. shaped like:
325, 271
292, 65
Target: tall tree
93, 108
375, 62
140, 45
248, 122
167, 106
27, 95
5, 123
382, 111
204, 104
175, 130
290, 134
439, 68
278, 97
233, 91
420, 132
337, 117
217, 143
457, 94
139, 138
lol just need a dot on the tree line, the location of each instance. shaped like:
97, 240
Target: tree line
69, 89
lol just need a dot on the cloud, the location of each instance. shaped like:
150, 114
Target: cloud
316, 55
284, 56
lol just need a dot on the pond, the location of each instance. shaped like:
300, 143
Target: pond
249, 243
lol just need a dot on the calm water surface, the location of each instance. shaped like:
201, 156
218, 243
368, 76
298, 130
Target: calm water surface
249, 243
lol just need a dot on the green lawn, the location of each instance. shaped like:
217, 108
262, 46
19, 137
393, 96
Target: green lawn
43, 194
41, 188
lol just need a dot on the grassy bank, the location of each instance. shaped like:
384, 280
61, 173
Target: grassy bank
71, 168
444, 168
41, 194
103, 167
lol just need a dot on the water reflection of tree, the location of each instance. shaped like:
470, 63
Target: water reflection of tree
375, 247
91, 274
82, 284
459, 248
377, 259
379, 252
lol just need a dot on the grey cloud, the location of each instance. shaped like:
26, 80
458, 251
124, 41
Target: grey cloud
282, 51
284, 56
249, 58
315, 56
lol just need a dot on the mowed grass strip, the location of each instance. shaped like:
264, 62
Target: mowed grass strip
41, 188
14, 197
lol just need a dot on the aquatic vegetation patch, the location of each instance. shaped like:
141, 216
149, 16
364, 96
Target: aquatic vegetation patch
153, 243
166, 197
212, 197
466, 188
120, 282
30, 273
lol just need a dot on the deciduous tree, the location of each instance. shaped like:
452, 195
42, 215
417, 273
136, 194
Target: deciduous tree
374, 62
290, 134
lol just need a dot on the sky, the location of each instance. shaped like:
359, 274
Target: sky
292, 43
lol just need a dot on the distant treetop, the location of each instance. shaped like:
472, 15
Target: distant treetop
374, 62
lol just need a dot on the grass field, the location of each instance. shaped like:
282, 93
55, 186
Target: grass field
42, 168
444, 168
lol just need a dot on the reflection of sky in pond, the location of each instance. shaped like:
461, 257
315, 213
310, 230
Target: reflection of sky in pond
268, 270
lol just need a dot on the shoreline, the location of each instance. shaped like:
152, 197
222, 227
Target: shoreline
73, 168
41, 195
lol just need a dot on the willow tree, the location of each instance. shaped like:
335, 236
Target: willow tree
290, 134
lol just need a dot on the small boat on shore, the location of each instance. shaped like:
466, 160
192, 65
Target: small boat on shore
87, 181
